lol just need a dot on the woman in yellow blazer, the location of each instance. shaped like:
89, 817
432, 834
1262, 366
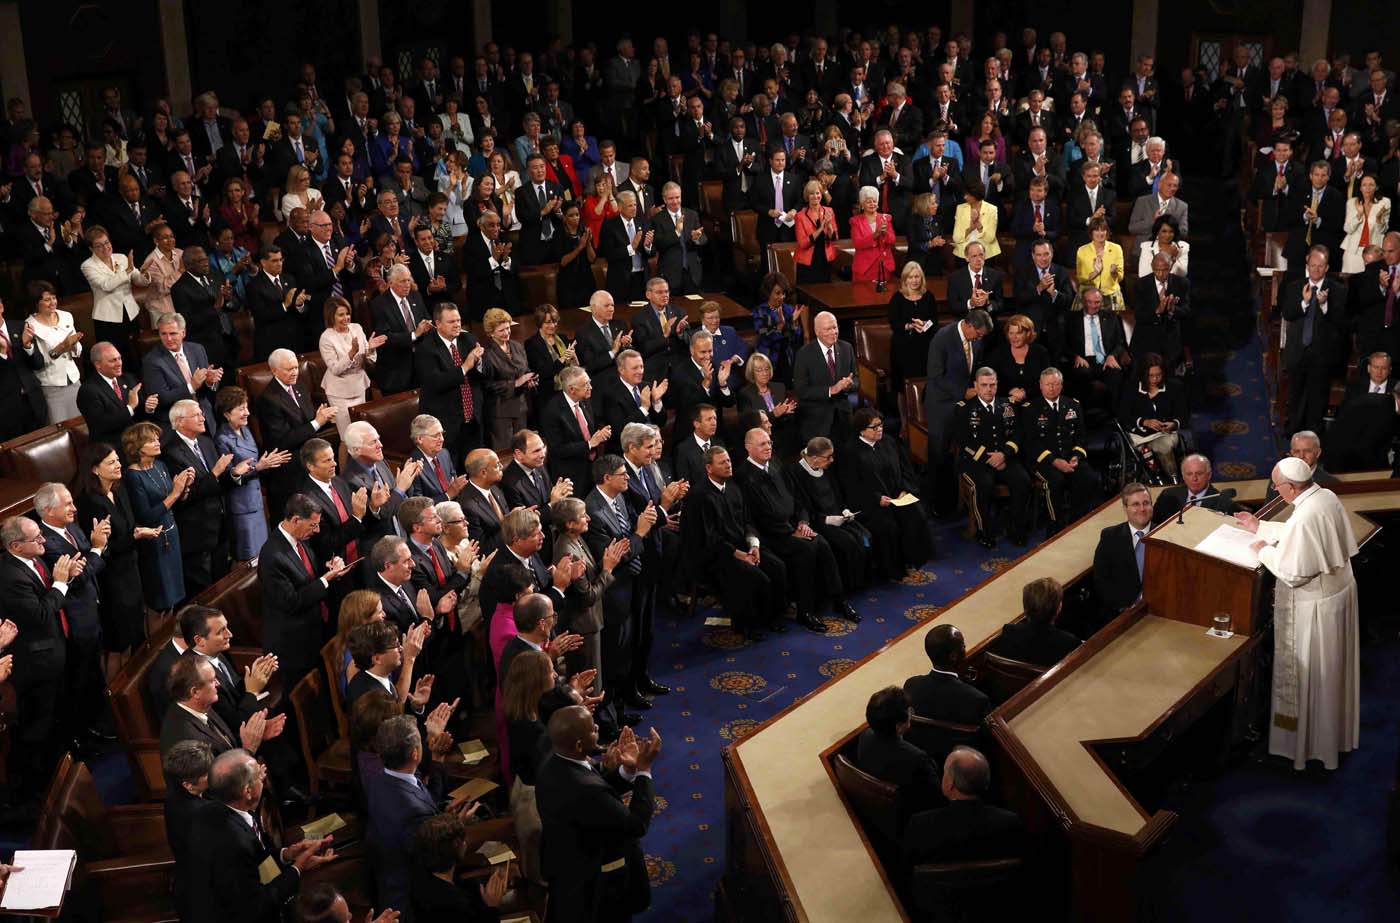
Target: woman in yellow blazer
975, 220
1100, 263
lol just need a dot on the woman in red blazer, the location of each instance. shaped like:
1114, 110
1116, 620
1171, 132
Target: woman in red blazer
872, 233
816, 237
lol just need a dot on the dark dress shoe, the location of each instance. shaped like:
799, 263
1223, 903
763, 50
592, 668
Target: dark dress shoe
629, 719
986, 541
846, 612
811, 623
639, 702
649, 686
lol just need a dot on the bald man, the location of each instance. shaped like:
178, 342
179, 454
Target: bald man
592, 853
824, 377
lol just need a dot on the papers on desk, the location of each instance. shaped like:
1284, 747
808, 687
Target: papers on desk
904, 499
694, 297
41, 879
473, 752
268, 871
472, 790
495, 852
1231, 543
638, 304
314, 830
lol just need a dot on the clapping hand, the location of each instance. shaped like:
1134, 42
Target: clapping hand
422, 691
258, 674
8, 632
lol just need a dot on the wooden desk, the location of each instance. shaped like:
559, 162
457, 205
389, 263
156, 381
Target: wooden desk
793, 849
849, 301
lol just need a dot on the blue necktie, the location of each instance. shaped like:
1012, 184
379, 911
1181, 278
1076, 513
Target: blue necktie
1138, 552
648, 484
1095, 341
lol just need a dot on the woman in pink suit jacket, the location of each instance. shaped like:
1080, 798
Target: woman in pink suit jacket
872, 233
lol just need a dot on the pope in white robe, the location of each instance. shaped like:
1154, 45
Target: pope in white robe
1315, 711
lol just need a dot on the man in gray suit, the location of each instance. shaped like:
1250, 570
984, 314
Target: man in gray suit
365, 467
609, 164
678, 240
1146, 208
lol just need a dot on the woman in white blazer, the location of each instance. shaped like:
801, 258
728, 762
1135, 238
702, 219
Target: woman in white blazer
61, 345
163, 267
1366, 221
348, 355
111, 276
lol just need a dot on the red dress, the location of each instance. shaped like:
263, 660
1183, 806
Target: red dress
594, 221
870, 246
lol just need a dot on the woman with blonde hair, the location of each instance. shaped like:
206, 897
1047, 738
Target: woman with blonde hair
816, 237
509, 383
299, 193
349, 355
912, 316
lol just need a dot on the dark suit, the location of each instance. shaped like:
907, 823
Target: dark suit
960, 291
964, 831
377, 524
443, 265
762, 199
618, 407
1023, 228
731, 170
869, 472
161, 376
1331, 210
593, 349
488, 286
1161, 333
194, 301
625, 617
27, 409
40, 655
568, 450
157, 678
949, 377
623, 282
1314, 341
428, 484
317, 277
945, 697
1361, 437
225, 856
483, 523
199, 514
440, 384
587, 827
1039, 643
1078, 212
715, 526
1078, 343
296, 618
335, 538
1372, 331
1117, 581
494, 589
396, 808
775, 514
106, 415
678, 256
178, 724
1170, 501
894, 196
1043, 309
284, 423
187, 221
1273, 206
658, 349
182, 811
393, 367
1049, 433
276, 326
819, 413
534, 249
890, 758
126, 231
83, 184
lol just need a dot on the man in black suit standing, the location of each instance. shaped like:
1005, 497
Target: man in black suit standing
625, 241
628, 397
1089, 199
976, 286
526, 480
659, 330
823, 379
592, 854
679, 239
286, 419
1035, 217
890, 173
573, 430
365, 468
990, 175
776, 195
199, 296
19, 359
483, 502
1034, 638
296, 617
95, 179
600, 341
941, 694
193, 688
1313, 307
719, 535
491, 280
1044, 291
1314, 214
690, 449
328, 268
1195, 489
390, 575
522, 537
1118, 559
129, 218
953, 355
785, 527
446, 364
1164, 302
110, 401
343, 509
1274, 181
739, 163
696, 140
276, 303
400, 315
638, 182
199, 513
205, 631
239, 160
176, 371
229, 850
434, 274
968, 829
186, 211
186, 769
538, 202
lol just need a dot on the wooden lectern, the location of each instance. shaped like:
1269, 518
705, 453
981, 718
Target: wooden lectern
1182, 583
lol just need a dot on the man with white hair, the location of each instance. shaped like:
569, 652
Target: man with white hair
1195, 489
1151, 205
178, 370
110, 401
286, 419
200, 510
1148, 171
823, 378
401, 315
1307, 445
1315, 711
365, 468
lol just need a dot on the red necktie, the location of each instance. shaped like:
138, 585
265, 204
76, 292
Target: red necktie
44, 576
977, 281
352, 551
831, 362
4, 342
117, 389
442, 581
442, 478
468, 406
1038, 217
311, 572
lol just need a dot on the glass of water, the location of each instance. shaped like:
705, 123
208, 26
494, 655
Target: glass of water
1220, 625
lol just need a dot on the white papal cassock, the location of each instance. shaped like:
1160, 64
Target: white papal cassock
1316, 709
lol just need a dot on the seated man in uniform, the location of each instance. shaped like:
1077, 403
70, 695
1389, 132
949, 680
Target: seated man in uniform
986, 436
1052, 434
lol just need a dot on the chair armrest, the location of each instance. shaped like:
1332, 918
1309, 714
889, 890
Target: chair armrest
142, 827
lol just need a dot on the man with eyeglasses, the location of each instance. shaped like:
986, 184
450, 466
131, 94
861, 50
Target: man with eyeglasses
328, 268
365, 468
35, 596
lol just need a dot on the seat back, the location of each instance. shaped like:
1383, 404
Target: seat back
915, 423
312, 370
331, 658
46, 454
73, 816
782, 257
873, 361
876, 803
1004, 677
239, 598
540, 285
137, 725
939, 738
16, 497
316, 727
743, 235
962, 892
391, 416
712, 198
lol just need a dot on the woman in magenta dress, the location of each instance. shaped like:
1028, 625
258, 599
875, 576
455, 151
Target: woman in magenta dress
872, 233
502, 629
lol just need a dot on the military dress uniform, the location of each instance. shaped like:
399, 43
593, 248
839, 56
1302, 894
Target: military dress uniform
1056, 431
979, 431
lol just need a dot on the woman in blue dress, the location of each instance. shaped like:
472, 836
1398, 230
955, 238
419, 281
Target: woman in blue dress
778, 324
153, 492
244, 501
